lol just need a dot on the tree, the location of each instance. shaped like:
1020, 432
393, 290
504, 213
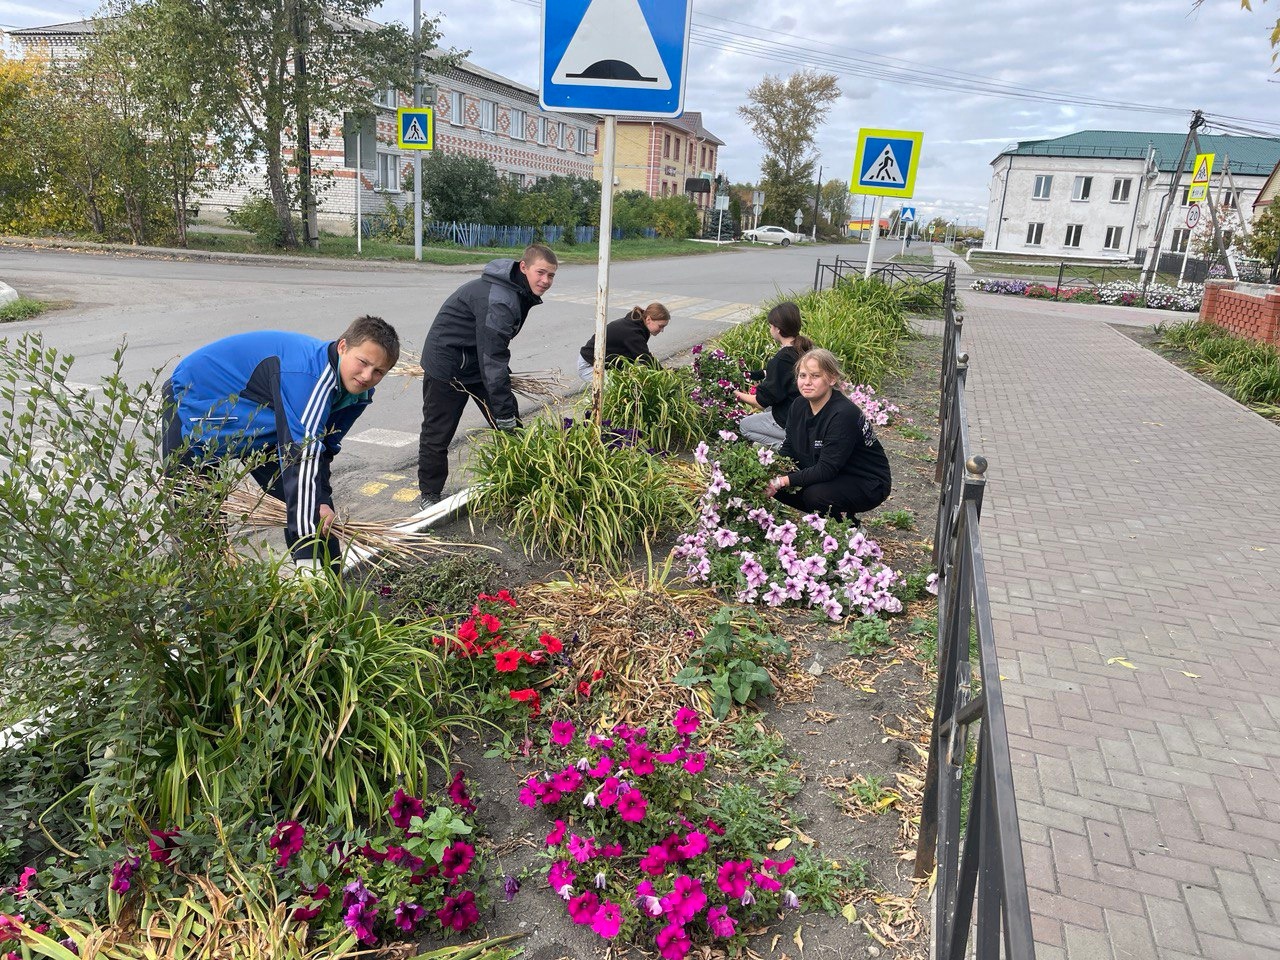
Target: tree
785, 115
834, 202
280, 63
1264, 233
459, 188
632, 212
675, 217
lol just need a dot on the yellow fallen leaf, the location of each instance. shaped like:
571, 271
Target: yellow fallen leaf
849, 912
781, 844
875, 934
1193, 676
1003, 677
798, 940
1122, 661
804, 838
867, 689
774, 946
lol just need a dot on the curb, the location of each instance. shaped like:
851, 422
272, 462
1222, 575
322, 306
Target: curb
213, 256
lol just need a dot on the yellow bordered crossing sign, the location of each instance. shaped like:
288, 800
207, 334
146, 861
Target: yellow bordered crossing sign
1200, 174
885, 163
415, 128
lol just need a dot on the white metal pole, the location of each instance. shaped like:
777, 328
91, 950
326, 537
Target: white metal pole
903, 226
417, 154
359, 187
875, 232
1186, 252
602, 273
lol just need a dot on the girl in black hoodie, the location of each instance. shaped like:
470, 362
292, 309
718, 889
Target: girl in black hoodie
627, 340
842, 469
777, 389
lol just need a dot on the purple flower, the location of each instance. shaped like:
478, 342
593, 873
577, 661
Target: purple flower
359, 917
459, 912
408, 916
562, 732
719, 922
404, 808
510, 887
122, 872
286, 840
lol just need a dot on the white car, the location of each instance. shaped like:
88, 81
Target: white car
773, 235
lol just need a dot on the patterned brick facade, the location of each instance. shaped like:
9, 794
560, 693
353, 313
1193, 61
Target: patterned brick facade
658, 156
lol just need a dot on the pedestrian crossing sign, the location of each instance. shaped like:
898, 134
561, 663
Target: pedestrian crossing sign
415, 128
1200, 173
885, 162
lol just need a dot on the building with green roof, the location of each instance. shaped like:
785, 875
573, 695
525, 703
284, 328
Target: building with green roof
1098, 194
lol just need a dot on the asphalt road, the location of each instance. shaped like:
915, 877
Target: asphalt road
165, 308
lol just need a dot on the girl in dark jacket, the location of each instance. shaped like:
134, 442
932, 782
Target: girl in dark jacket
627, 340
777, 389
842, 469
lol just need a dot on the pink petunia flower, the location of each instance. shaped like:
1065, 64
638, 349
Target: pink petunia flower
457, 859
582, 908
556, 834
686, 720
695, 763
607, 920
673, 943
733, 876
719, 922
562, 732
694, 844
286, 840
632, 806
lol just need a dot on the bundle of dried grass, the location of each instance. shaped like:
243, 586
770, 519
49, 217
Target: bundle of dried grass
387, 539
541, 386
639, 634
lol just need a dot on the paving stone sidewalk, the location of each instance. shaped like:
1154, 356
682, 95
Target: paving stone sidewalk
1132, 511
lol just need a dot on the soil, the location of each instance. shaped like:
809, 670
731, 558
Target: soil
841, 716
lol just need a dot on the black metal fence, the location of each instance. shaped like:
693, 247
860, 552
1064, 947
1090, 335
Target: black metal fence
929, 286
981, 906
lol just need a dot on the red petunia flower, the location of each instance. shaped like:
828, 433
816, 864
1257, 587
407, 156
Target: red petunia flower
507, 661
550, 644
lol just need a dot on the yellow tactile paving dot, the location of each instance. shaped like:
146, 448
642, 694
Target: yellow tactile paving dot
373, 488
405, 495
393, 477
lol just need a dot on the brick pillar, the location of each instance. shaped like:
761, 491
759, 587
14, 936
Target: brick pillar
1271, 318
1209, 305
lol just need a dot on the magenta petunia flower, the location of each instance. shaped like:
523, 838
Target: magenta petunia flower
685, 901
404, 807
161, 846
560, 876
460, 912
765, 882
686, 720
632, 806
581, 849
607, 920
640, 760
122, 872
457, 859
556, 834
460, 795
607, 795
719, 922
673, 943
602, 767
287, 840
408, 916
582, 908
733, 876
567, 780
696, 762
562, 732
695, 843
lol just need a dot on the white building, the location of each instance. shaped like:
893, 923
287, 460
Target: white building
1098, 194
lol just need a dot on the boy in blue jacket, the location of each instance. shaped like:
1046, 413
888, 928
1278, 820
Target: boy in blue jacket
290, 394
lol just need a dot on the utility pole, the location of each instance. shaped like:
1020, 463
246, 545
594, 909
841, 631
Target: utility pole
1153, 252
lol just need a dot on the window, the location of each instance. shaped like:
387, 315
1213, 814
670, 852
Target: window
666, 149
1186, 197
1034, 232
519, 120
542, 129
457, 108
1230, 199
386, 98
388, 171
690, 153
582, 140
488, 116
564, 136
1120, 190
703, 157
664, 188
1073, 234
1081, 189
1180, 238
1113, 238
1044, 183
361, 129
1227, 237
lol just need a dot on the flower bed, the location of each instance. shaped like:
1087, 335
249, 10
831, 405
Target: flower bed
1123, 293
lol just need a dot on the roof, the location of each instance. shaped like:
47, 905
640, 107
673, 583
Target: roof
74, 28
689, 122
1249, 155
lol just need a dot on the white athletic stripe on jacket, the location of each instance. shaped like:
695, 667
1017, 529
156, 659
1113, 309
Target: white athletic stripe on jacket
314, 416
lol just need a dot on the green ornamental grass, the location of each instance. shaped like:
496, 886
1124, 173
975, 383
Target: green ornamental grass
863, 322
570, 493
656, 403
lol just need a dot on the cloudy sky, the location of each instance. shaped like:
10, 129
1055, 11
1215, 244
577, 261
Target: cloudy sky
929, 65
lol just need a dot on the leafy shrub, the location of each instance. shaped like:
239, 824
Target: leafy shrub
866, 637
571, 493
258, 215
719, 376
731, 660
1248, 369
655, 403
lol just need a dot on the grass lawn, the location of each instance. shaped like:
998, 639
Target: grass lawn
345, 247
1048, 270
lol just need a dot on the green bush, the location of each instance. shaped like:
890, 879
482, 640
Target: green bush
862, 322
258, 215
731, 659
21, 309
655, 403
1248, 369
570, 493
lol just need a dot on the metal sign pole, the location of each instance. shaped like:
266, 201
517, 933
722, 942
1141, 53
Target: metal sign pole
602, 274
359, 184
417, 154
875, 232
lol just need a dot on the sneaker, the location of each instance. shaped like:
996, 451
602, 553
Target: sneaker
428, 499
